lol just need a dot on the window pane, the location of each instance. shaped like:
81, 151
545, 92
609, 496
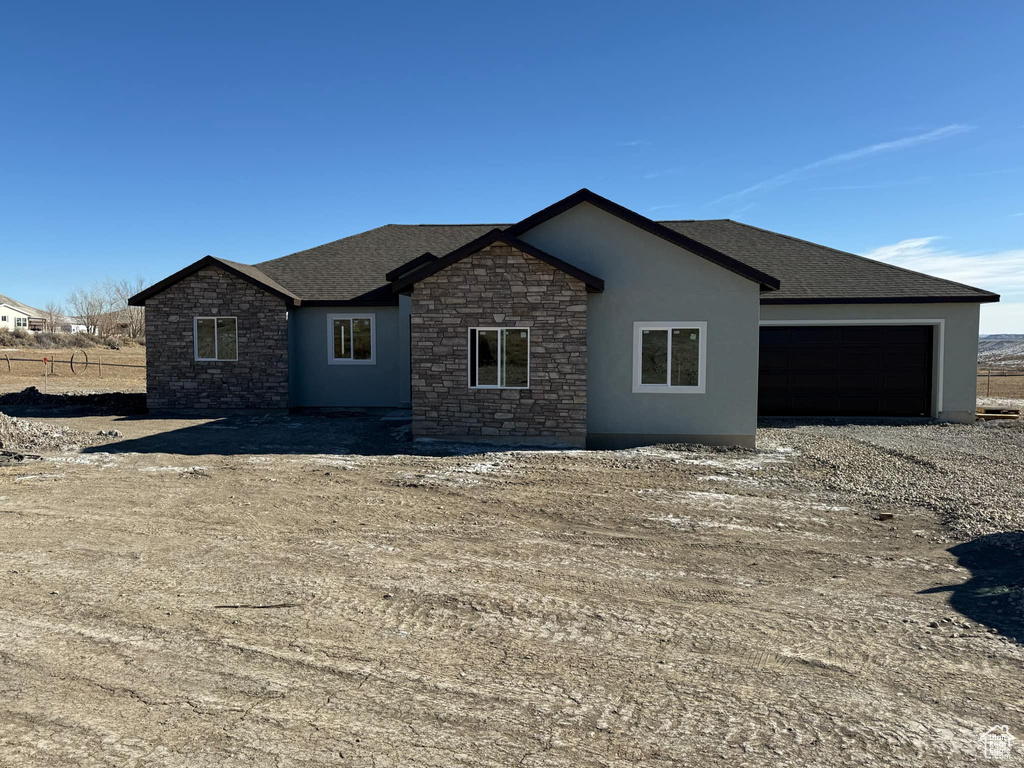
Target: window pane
515, 365
361, 346
206, 339
654, 357
487, 358
685, 357
227, 338
342, 339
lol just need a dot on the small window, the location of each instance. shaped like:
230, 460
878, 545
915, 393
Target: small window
216, 338
21, 322
669, 356
351, 339
499, 358
3, 318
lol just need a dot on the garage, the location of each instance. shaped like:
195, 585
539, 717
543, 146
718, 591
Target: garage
845, 370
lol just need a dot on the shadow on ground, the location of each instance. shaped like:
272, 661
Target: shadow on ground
31, 402
343, 432
993, 594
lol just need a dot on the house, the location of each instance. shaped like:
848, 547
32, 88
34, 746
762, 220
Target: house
73, 325
585, 323
15, 315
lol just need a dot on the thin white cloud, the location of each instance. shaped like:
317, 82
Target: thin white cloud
1015, 215
846, 157
879, 185
633, 143
1001, 272
666, 172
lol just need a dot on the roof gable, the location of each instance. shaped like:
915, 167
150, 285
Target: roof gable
765, 280
17, 306
428, 268
360, 269
247, 272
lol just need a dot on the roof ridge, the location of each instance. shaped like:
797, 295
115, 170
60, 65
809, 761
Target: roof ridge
862, 258
496, 226
687, 221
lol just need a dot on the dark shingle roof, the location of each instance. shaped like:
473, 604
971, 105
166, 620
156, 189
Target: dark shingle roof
354, 268
811, 273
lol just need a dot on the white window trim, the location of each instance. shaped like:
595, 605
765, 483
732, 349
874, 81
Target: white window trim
501, 349
331, 359
702, 350
20, 322
216, 343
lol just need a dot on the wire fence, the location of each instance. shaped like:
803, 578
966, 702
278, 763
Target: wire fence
78, 363
985, 376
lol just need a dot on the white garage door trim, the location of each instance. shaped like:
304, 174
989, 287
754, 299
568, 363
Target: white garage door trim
939, 324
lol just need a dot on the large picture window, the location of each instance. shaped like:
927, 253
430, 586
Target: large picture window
499, 358
216, 338
669, 356
351, 339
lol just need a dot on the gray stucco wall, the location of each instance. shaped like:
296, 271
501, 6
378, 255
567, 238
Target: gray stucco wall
316, 383
958, 360
649, 279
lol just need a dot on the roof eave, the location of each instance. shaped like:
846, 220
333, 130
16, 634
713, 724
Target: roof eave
139, 299
985, 298
405, 284
766, 281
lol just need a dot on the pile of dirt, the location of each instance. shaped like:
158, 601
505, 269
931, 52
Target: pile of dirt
119, 403
20, 435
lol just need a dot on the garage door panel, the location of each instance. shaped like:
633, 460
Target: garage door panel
856, 359
845, 370
858, 381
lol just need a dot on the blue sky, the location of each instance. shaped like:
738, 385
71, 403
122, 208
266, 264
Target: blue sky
139, 137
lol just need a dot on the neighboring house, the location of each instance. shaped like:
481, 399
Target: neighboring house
585, 323
73, 325
15, 315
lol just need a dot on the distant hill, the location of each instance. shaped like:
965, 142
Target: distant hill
1001, 349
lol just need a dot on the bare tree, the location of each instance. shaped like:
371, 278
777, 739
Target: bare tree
131, 320
53, 317
90, 307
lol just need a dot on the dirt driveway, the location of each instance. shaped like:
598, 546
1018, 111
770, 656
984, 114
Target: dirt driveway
313, 591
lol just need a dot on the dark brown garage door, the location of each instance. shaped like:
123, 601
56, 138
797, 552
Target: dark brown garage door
845, 370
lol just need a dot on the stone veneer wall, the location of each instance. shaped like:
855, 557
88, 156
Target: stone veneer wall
500, 286
175, 380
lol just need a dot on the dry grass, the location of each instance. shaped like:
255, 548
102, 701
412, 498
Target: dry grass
1000, 386
101, 375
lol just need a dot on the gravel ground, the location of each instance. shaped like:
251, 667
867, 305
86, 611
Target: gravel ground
317, 591
971, 475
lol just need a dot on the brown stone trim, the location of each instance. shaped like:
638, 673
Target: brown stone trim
592, 282
139, 299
